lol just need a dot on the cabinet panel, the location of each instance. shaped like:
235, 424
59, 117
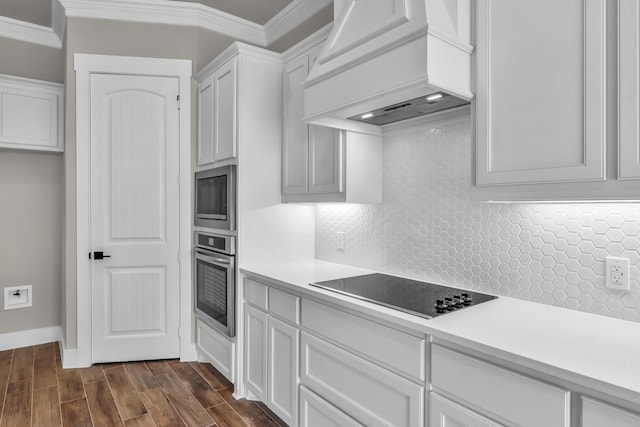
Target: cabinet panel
598, 414
445, 413
283, 370
225, 111
256, 351
368, 393
296, 133
520, 400
205, 122
218, 349
31, 114
540, 99
317, 412
326, 160
389, 347
628, 90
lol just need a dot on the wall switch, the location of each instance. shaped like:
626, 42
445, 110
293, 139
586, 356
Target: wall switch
617, 273
18, 297
340, 240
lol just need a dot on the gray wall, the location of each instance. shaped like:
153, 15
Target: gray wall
31, 60
31, 198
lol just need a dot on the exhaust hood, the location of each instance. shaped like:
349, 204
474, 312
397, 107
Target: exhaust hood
389, 60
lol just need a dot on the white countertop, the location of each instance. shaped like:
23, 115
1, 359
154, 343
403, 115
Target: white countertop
598, 352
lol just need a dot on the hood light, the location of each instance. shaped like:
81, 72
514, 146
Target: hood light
366, 116
434, 97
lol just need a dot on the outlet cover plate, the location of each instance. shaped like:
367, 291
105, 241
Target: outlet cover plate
617, 273
21, 300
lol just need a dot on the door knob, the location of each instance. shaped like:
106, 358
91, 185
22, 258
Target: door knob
99, 255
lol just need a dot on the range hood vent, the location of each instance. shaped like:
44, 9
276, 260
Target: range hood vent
386, 57
416, 107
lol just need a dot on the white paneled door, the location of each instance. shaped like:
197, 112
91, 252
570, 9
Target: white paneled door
134, 217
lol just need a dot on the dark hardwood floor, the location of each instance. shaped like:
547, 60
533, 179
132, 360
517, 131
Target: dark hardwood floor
36, 391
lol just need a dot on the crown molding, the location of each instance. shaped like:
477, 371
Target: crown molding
28, 32
163, 12
167, 12
297, 12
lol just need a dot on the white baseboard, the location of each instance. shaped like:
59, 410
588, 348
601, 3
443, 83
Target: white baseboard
72, 357
30, 337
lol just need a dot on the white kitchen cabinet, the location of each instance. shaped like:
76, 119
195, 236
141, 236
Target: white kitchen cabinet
599, 414
31, 114
323, 164
512, 397
540, 93
366, 392
233, 91
628, 90
445, 413
255, 366
215, 348
272, 348
317, 412
282, 372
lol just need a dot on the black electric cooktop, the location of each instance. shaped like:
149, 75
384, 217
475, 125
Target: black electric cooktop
411, 296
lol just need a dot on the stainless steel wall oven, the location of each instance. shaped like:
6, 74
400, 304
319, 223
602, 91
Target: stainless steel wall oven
216, 280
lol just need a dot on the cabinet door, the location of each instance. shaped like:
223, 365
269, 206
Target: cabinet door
256, 351
628, 90
326, 160
598, 414
205, 122
445, 413
296, 133
540, 92
225, 115
317, 412
283, 370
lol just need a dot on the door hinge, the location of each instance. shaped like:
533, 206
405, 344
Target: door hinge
178, 99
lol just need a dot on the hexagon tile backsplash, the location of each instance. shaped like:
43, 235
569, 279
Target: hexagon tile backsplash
428, 228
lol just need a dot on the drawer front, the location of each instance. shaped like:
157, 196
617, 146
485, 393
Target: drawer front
598, 414
284, 305
368, 393
256, 294
389, 347
501, 393
445, 413
317, 412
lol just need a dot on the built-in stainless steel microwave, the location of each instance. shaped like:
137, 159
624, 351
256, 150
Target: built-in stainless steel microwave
216, 198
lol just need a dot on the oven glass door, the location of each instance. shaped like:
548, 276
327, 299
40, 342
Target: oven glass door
215, 290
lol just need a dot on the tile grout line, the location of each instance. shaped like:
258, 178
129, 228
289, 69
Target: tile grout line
55, 361
33, 384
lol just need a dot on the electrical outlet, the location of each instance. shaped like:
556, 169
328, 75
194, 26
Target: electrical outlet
340, 240
18, 297
617, 273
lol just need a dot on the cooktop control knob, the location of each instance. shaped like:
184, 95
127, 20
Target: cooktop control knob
458, 301
466, 298
440, 306
448, 301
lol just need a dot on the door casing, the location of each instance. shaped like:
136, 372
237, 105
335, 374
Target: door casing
85, 65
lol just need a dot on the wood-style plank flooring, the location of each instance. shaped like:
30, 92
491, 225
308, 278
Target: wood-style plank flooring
36, 391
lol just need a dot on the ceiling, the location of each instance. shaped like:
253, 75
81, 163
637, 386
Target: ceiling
258, 11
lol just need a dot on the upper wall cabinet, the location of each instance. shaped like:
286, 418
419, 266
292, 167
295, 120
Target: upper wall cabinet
629, 89
31, 114
323, 164
540, 107
234, 90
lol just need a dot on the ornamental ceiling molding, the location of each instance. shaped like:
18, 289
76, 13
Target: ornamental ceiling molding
162, 12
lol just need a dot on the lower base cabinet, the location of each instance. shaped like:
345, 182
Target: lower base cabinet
599, 414
282, 372
317, 412
216, 348
255, 367
445, 413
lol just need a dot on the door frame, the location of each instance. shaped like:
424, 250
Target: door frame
84, 66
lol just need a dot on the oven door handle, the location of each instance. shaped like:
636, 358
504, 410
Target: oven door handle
205, 257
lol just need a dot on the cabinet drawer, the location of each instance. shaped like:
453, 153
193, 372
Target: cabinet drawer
368, 393
255, 294
500, 393
598, 414
284, 305
445, 413
317, 412
389, 347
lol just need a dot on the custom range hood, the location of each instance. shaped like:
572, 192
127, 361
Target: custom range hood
389, 60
